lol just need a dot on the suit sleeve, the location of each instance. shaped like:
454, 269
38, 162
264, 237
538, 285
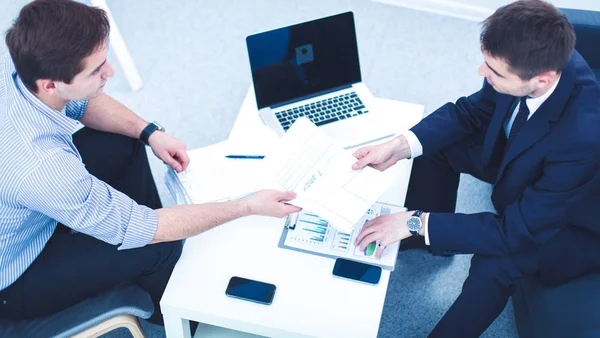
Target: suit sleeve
570, 172
454, 121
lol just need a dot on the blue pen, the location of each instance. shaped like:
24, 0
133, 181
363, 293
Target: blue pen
251, 157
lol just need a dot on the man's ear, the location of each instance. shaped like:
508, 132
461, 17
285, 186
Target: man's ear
46, 86
545, 79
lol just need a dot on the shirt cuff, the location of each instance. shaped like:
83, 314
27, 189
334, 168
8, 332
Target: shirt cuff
141, 229
426, 229
416, 148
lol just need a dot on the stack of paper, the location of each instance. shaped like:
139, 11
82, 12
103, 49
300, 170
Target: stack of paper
319, 171
176, 189
211, 177
305, 160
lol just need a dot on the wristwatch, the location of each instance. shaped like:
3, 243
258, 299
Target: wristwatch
150, 128
414, 223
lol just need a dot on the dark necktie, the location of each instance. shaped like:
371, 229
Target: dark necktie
519, 121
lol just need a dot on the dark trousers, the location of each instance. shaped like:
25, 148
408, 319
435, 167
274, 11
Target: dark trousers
491, 281
75, 266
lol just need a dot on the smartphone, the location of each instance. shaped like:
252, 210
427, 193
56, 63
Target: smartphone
251, 290
361, 272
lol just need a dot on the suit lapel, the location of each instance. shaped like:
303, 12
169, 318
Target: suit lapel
504, 105
540, 122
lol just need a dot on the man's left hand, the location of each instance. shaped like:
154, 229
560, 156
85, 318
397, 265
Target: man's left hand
386, 229
170, 150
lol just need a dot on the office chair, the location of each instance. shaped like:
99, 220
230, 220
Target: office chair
116, 308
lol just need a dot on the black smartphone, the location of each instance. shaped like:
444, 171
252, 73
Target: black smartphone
251, 290
357, 271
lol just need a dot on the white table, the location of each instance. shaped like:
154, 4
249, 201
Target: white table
309, 301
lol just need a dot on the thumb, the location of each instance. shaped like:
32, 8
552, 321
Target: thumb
361, 163
290, 209
286, 196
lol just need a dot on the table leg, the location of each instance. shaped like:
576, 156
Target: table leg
176, 327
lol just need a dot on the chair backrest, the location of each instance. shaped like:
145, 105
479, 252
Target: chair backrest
127, 299
587, 28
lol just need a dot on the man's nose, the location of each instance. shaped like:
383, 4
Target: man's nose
110, 71
482, 70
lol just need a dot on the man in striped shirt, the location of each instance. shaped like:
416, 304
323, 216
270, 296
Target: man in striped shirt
96, 181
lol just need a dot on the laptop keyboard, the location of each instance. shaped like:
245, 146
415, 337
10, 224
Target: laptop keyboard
325, 111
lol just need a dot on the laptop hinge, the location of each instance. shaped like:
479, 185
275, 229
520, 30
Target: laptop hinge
323, 92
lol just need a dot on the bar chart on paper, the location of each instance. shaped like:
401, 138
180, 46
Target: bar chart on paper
311, 230
311, 233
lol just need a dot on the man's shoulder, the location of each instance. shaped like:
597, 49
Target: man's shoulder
7, 69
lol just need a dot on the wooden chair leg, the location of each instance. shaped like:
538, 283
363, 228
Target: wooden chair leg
127, 321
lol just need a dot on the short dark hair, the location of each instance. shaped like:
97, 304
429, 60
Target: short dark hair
532, 36
51, 38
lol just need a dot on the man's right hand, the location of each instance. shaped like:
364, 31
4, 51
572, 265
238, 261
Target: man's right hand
272, 203
382, 156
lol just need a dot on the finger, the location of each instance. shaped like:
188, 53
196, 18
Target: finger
290, 209
363, 162
360, 153
381, 167
185, 159
363, 233
370, 223
379, 251
173, 163
368, 240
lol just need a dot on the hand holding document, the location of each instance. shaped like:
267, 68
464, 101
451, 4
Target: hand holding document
309, 163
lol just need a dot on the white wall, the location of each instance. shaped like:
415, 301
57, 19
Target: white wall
477, 10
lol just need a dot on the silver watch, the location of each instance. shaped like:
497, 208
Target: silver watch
414, 223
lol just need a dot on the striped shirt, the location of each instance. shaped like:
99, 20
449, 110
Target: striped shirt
43, 181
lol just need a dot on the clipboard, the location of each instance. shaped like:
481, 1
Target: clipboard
308, 233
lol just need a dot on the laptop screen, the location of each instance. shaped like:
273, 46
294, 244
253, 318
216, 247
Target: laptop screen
305, 59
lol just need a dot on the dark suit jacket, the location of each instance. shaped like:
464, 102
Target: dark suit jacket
547, 180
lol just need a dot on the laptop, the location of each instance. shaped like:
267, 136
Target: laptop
312, 69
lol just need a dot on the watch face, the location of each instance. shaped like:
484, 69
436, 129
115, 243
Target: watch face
414, 223
158, 126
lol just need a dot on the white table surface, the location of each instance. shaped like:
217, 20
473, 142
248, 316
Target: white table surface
309, 301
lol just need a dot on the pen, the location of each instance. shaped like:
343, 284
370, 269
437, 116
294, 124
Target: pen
252, 157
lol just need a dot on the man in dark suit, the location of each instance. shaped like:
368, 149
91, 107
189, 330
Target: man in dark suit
532, 132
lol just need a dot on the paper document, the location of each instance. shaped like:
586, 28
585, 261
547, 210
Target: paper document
309, 163
311, 233
210, 177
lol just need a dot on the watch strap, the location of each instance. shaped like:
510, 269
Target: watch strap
417, 213
147, 131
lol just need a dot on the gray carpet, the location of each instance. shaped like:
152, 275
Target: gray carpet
191, 55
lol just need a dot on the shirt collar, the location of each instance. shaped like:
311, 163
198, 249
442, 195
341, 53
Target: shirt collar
536, 102
62, 121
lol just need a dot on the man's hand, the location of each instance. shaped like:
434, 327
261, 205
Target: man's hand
382, 156
272, 203
386, 229
170, 150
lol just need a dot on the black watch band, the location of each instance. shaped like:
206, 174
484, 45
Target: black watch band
150, 128
418, 213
